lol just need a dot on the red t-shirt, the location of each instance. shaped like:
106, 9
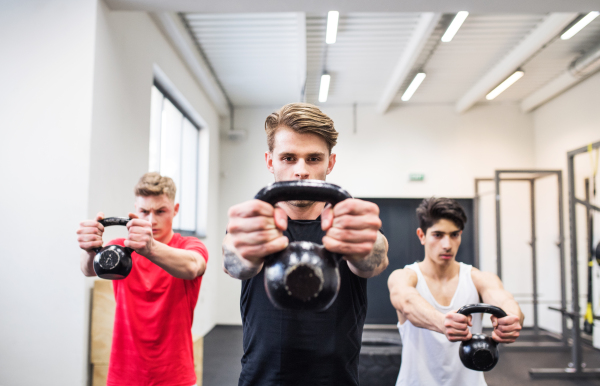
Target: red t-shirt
152, 336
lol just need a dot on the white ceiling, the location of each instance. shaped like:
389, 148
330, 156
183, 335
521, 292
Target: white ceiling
262, 58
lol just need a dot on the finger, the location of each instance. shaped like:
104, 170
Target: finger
251, 224
88, 237
139, 223
353, 236
357, 222
504, 338
134, 244
99, 216
140, 230
327, 218
255, 238
132, 215
355, 207
509, 328
88, 246
455, 325
470, 320
336, 246
281, 219
89, 230
251, 208
508, 320
262, 250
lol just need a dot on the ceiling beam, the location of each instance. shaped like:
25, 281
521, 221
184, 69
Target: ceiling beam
302, 65
177, 34
548, 29
345, 6
425, 26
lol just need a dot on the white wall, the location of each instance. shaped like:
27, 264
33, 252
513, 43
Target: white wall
568, 122
46, 73
450, 149
127, 46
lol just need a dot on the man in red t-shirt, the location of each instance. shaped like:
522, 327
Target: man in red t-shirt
152, 339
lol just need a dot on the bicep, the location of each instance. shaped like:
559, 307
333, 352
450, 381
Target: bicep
401, 284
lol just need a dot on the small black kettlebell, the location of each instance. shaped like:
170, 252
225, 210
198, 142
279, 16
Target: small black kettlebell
480, 353
114, 261
305, 275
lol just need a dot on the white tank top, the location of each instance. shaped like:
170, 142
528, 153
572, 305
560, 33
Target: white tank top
428, 357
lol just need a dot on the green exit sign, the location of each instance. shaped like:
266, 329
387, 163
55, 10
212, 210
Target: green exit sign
416, 177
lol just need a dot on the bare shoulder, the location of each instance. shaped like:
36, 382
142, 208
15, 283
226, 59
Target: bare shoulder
406, 277
483, 279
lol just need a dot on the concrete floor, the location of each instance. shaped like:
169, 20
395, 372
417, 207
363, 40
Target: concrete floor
223, 351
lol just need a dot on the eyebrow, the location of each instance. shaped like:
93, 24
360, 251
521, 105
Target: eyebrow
147, 210
309, 155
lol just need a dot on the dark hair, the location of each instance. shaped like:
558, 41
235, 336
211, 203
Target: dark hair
431, 210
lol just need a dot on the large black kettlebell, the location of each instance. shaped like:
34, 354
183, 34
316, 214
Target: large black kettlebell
480, 353
305, 275
114, 261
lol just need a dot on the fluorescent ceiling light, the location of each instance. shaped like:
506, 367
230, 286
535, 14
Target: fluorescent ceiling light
414, 85
324, 89
587, 19
454, 26
504, 85
332, 24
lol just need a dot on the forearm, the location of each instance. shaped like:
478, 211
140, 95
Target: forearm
236, 266
374, 263
421, 314
180, 263
87, 264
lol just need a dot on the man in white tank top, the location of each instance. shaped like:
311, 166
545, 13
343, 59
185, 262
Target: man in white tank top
427, 295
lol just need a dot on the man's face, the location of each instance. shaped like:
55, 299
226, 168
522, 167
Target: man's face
441, 241
299, 156
158, 210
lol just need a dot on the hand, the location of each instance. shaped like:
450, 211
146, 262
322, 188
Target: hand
506, 330
140, 237
256, 230
90, 234
456, 326
351, 227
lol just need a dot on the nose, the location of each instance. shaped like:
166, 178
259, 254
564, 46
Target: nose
300, 170
152, 218
446, 242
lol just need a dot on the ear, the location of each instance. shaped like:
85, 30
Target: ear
421, 235
269, 161
176, 209
331, 163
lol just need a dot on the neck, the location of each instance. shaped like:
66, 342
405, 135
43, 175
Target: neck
310, 212
167, 238
440, 271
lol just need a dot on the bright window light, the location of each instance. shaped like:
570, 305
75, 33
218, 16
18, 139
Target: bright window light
332, 25
504, 85
587, 19
324, 89
414, 85
454, 26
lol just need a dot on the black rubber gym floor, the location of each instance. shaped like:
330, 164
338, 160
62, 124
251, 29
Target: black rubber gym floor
223, 351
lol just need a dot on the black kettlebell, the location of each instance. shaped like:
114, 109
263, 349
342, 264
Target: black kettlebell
114, 261
305, 275
480, 353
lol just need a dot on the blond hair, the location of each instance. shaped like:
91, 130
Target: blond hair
153, 184
302, 118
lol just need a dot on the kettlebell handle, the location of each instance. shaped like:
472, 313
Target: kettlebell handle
482, 308
310, 190
111, 221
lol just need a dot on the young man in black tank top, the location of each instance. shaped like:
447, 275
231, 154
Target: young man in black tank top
441, 223
283, 347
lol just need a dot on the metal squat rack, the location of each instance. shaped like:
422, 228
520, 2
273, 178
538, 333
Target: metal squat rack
576, 369
539, 339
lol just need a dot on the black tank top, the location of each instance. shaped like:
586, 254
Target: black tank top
284, 347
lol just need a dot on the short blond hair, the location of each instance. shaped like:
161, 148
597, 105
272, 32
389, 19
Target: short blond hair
153, 184
302, 118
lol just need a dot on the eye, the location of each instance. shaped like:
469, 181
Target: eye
314, 159
287, 159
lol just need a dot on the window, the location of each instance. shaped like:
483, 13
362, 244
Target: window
174, 152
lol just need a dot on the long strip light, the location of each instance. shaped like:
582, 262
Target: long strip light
413, 86
587, 19
504, 85
453, 28
324, 89
332, 26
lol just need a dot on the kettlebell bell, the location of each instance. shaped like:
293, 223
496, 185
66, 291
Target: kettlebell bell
114, 261
480, 353
305, 275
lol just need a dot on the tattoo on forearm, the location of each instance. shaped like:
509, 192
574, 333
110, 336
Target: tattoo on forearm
374, 259
236, 267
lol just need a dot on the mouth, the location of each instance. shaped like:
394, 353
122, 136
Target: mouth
154, 230
446, 256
